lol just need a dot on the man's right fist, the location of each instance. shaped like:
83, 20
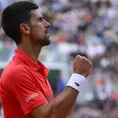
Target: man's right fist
82, 66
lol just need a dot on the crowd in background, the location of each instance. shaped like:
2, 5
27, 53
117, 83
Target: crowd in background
88, 28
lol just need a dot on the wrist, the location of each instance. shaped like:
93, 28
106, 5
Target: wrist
76, 81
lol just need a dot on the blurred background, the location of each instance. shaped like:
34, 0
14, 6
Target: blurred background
85, 27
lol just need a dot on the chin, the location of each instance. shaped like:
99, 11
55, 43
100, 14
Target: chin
46, 42
43, 41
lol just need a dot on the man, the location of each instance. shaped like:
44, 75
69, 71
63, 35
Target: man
24, 88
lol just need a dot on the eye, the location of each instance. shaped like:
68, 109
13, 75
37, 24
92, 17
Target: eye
41, 19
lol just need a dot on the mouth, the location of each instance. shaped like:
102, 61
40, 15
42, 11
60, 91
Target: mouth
47, 34
46, 31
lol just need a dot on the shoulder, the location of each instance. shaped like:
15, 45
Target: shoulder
13, 69
15, 72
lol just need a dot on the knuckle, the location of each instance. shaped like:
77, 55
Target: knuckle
84, 57
78, 56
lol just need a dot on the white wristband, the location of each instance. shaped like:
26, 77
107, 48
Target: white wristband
76, 81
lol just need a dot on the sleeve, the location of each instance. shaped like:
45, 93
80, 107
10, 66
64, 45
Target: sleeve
24, 89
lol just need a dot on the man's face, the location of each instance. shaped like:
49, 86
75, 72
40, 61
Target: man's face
39, 29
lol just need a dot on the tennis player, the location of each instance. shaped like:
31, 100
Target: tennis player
24, 87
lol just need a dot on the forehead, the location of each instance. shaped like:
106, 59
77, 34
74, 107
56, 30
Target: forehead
35, 14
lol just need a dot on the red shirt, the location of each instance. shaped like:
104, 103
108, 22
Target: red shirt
24, 86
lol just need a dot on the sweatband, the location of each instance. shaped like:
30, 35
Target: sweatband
76, 81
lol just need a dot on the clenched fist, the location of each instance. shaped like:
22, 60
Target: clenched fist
82, 66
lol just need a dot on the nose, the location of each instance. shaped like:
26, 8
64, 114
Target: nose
46, 24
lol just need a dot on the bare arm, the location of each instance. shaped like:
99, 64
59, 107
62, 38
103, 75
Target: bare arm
64, 102
60, 107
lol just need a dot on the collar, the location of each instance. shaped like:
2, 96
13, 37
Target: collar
24, 58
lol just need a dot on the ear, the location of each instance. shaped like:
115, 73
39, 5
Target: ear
25, 29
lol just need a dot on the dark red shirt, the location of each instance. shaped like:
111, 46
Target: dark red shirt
24, 86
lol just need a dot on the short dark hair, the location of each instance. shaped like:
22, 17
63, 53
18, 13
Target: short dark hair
15, 14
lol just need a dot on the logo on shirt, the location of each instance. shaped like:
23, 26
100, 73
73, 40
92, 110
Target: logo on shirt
30, 97
77, 84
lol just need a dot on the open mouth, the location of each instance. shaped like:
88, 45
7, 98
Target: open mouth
48, 35
46, 31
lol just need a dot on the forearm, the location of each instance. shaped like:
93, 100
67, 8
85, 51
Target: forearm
63, 103
60, 107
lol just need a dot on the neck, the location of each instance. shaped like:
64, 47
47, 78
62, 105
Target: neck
32, 51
